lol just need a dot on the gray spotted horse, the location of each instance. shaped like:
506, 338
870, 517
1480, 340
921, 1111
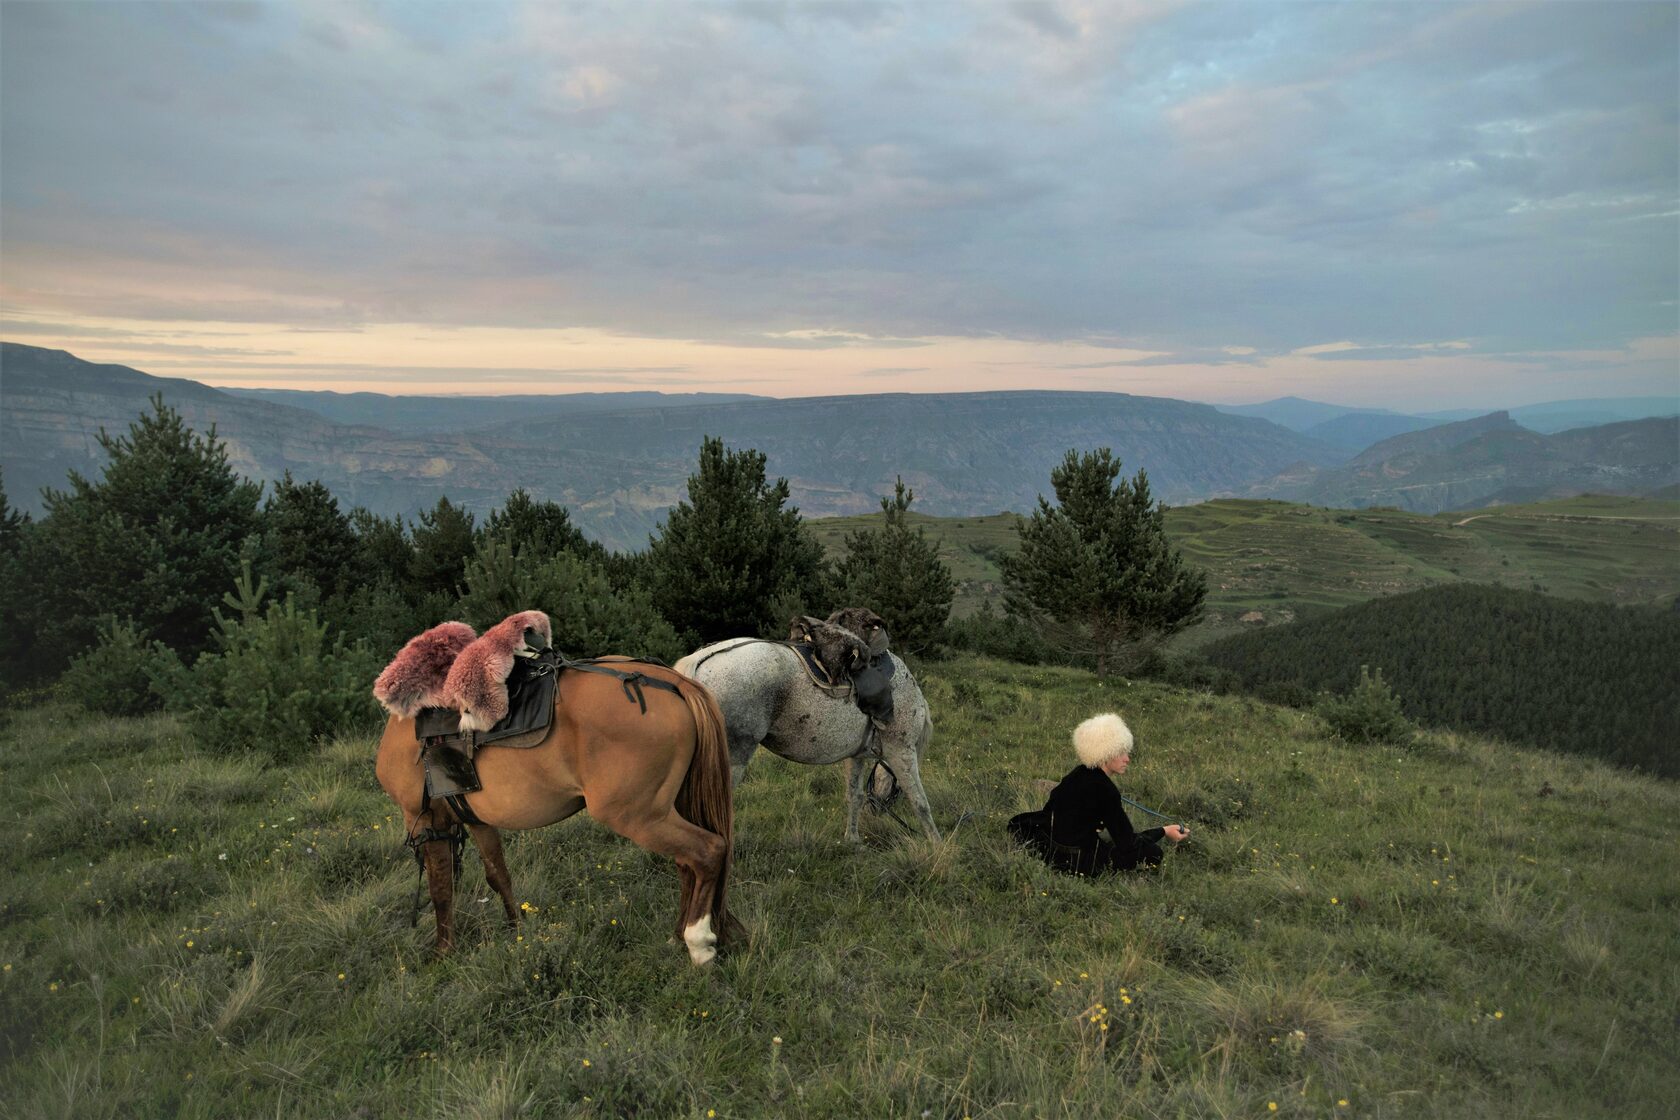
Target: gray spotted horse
772, 695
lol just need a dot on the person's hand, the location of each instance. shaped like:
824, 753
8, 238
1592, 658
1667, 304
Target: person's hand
1175, 832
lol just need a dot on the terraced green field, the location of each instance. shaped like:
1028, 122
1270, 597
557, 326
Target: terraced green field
1284, 560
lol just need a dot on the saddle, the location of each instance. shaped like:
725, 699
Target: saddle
869, 687
447, 749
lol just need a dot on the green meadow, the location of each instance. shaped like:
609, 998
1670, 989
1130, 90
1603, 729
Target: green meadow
1286, 560
1453, 928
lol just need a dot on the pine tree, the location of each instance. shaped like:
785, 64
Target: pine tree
15, 529
1096, 572
155, 540
383, 550
307, 537
537, 529
443, 541
731, 560
590, 618
897, 573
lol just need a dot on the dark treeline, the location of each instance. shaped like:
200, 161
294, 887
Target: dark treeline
263, 611
1582, 677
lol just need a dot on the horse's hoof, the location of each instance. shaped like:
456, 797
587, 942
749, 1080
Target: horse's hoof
701, 941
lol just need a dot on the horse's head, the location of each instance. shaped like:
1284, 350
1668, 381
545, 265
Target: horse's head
839, 651
866, 624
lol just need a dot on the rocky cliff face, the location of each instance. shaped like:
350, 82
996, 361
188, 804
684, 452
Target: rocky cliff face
618, 472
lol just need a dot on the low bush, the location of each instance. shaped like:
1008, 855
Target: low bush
114, 678
590, 618
1370, 713
993, 634
276, 684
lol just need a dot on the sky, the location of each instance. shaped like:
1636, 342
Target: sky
1418, 206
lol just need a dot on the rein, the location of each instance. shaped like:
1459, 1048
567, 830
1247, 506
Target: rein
1147, 809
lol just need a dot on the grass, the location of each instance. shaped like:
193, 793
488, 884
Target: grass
1456, 929
1285, 560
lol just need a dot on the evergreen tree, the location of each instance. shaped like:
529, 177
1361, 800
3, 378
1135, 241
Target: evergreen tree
1096, 571
536, 528
12, 523
307, 538
731, 560
155, 540
383, 551
897, 573
443, 541
590, 618
15, 528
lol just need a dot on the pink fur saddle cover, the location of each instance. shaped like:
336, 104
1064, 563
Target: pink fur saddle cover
414, 678
477, 682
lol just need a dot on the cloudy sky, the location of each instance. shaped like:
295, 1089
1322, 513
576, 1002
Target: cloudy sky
1420, 205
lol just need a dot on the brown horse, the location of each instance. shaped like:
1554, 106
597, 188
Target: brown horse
659, 778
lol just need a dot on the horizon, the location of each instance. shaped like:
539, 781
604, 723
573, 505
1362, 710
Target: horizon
1414, 206
1483, 408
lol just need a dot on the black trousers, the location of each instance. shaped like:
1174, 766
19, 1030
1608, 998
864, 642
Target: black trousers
1100, 857
1095, 858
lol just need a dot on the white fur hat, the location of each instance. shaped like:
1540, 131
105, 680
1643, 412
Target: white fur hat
1100, 738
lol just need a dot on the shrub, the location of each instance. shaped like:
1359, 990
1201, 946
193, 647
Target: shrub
1188, 672
1370, 713
590, 619
276, 684
114, 678
989, 632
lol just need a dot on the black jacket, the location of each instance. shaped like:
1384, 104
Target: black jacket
1086, 801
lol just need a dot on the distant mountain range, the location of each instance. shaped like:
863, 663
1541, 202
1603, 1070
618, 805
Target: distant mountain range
1357, 428
465, 414
1491, 460
619, 471
619, 461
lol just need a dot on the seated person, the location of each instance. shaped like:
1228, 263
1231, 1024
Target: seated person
1064, 832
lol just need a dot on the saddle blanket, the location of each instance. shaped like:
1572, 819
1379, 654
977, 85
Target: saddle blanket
447, 751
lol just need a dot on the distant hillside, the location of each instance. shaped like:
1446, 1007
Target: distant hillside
1355, 431
1489, 461
1299, 414
618, 472
1580, 677
1271, 562
1322, 421
1434, 439
1557, 416
962, 453
462, 414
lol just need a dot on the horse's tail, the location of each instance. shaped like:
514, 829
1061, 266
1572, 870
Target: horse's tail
705, 798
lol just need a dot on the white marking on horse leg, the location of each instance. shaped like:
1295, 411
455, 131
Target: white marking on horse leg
702, 942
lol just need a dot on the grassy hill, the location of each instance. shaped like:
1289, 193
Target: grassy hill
1461, 929
1286, 560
